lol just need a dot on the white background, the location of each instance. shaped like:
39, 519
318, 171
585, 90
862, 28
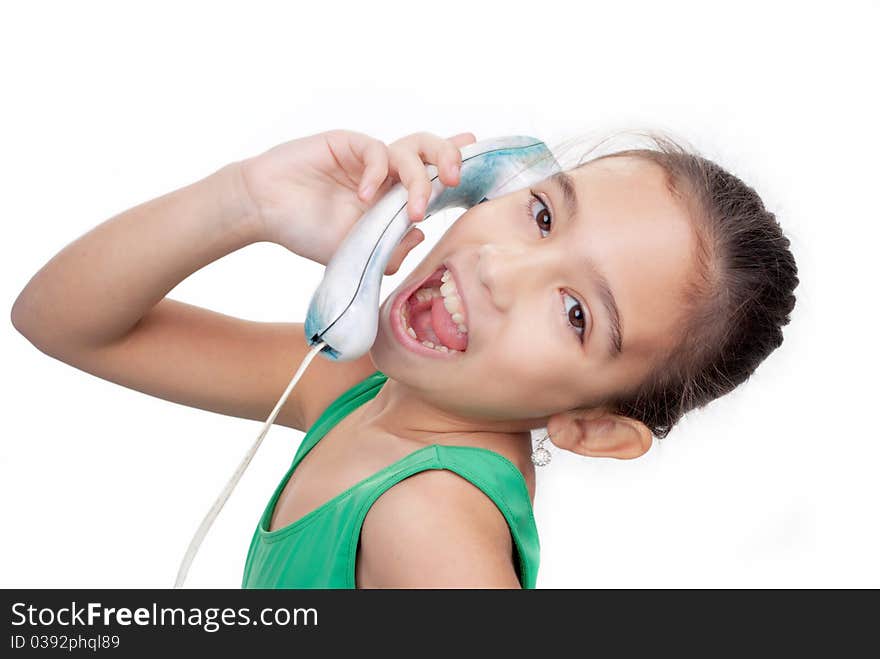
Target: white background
107, 105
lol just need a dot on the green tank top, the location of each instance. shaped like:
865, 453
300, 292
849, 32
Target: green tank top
319, 549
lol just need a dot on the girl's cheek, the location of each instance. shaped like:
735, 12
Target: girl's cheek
474, 222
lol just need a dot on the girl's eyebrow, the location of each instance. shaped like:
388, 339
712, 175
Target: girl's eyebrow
565, 183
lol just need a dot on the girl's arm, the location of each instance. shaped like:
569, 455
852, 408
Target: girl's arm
100, 303
100, 306
92, 293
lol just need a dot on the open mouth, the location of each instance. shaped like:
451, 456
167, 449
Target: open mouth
433, 315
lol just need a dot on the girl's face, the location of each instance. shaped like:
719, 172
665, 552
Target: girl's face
569, 290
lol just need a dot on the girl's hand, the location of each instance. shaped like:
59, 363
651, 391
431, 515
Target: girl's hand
306, 194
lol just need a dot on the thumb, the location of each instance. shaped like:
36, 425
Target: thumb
412, 238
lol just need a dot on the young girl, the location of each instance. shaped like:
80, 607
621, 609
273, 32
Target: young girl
601, 304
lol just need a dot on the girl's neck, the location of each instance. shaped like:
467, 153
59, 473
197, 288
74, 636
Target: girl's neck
399, 413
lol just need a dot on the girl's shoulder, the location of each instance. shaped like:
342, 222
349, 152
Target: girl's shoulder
456, 516
325, 383
436, 529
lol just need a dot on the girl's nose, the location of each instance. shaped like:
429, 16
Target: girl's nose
507, 271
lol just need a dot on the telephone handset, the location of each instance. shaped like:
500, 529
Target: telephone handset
344, 310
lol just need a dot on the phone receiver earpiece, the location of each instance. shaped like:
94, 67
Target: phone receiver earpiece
344, 310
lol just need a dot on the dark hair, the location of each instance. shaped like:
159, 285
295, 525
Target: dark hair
736, 304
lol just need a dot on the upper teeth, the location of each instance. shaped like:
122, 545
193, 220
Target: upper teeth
452, 302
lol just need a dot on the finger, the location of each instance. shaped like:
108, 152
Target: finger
459, 141
412, 173
462, 139
374, 155
442, 153
386, 185
399, 253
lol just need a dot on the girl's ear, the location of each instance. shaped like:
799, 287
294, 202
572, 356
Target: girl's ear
599, 433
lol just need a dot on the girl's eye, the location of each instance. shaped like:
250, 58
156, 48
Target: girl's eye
573, 313
542, 217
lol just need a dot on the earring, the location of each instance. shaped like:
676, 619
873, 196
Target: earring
540, 455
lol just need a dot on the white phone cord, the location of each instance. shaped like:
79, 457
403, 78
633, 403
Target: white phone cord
202, 531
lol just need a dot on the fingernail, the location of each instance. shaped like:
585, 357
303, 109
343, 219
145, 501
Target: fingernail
367, 191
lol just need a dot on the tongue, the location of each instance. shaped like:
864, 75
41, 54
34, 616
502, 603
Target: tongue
445, 328
432, 322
